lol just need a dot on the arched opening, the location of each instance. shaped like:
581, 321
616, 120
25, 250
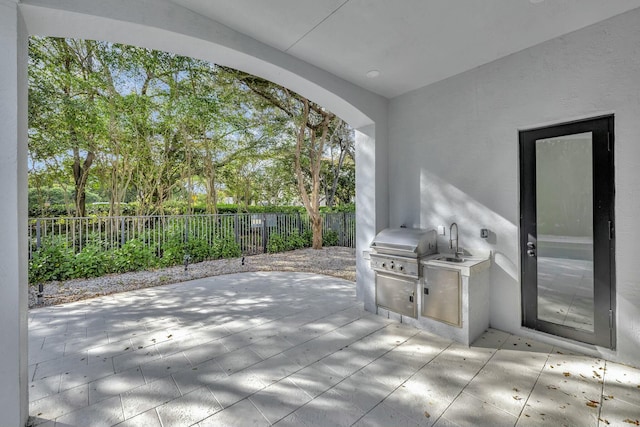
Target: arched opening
177, 30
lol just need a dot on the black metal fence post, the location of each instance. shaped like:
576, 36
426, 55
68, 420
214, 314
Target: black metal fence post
38, 234
264, 233
236, 228
123, 239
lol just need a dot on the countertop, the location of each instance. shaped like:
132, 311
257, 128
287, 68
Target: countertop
471, 265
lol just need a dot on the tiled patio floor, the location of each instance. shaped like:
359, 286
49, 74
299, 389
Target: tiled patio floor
296, 349
565, 292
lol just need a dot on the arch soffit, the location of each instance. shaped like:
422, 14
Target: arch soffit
177, 30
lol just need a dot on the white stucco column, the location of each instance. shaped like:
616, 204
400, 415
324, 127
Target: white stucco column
372, 209
13, 216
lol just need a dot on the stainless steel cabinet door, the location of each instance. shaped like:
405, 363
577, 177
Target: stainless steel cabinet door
396, 294
441, 295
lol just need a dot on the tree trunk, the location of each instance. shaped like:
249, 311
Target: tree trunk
336, 175
316, 227
212, 196
315, 149
80, 177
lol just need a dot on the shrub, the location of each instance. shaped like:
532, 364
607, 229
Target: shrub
226, 248
93, 261
172, 251
276, 243
348, 207
308, 238
231, 209
53, 261
133, 256
198, 249
329, 238
295, 241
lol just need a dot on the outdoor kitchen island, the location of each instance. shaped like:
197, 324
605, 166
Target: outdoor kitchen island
447, 294
452, 299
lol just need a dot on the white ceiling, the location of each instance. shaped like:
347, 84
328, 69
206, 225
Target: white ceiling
412, 43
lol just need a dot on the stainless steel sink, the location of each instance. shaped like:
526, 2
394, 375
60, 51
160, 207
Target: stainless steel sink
450, 259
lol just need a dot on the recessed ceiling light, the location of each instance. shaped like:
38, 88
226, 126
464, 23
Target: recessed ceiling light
372, 74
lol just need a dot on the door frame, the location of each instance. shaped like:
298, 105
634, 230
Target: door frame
602, 128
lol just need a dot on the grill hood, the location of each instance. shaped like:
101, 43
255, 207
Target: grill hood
411, 242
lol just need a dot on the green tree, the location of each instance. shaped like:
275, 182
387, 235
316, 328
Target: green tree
152, 127
66, 107
310, 126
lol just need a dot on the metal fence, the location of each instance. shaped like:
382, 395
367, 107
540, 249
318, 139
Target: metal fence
250, 231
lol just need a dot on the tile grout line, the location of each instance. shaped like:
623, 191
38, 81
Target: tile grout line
534, 384
304, 367
345, 378
498, 348
247, 397
257, 409
222, 325
230, 333
403, 382
277, 334
158, 416
124, 417
604, 376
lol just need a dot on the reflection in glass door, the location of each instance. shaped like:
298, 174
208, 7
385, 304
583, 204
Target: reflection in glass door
567, 230
564, 220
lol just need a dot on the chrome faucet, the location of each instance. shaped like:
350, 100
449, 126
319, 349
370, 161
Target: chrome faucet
457, 252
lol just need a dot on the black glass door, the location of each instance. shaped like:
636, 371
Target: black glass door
567, 230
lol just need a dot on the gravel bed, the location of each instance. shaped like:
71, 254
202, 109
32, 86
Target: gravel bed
333, 261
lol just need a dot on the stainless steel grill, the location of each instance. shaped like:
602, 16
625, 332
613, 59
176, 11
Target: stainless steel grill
395, 257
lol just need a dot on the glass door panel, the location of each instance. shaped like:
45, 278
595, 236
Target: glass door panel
564, 213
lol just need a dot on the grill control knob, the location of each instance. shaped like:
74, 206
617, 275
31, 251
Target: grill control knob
401, 268
392, 266
384, 265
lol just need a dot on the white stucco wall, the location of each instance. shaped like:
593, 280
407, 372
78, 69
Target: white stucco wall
455, 154
13, 211
371, 203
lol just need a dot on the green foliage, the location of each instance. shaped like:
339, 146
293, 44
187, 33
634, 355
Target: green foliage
295, 240
330, 238
52, 211
51, 195
168, 144
226, 248
231, 209
53, 261
133, 256
93, 261
198, 249
173, 251
174, 208
348, 208
276, 243
308, 237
